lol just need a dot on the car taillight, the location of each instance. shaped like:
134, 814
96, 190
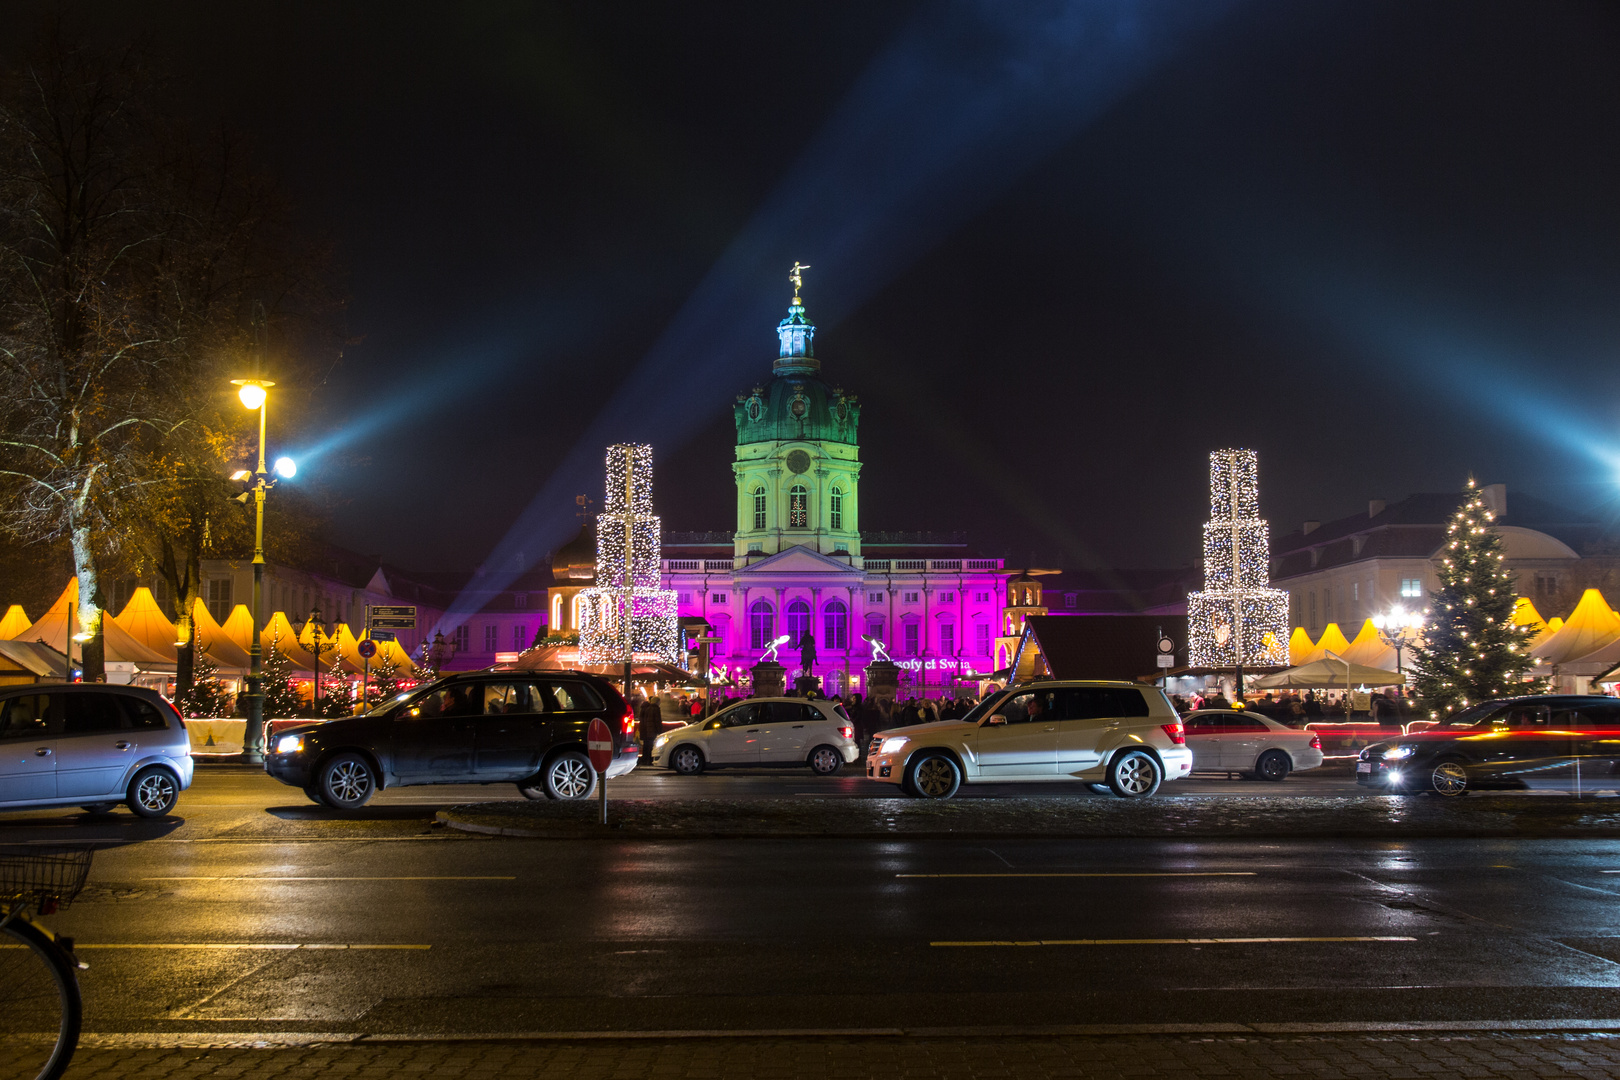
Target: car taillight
847, 731
177, 714
1316, 742
628, 724
1177, 733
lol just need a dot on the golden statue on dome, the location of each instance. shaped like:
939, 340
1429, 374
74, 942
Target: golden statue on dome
796, 275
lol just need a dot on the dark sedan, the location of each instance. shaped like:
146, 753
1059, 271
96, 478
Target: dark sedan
1553, 741
524, 728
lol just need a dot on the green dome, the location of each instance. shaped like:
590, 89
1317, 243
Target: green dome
798, 408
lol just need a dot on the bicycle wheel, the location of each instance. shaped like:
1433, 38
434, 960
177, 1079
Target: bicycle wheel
40, 1010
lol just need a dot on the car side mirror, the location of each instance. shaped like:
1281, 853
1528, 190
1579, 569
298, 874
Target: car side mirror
712, 725
995, 720
407, 713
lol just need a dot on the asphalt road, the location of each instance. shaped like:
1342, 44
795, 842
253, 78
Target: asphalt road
255, 911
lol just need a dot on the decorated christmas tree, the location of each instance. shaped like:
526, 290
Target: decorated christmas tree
426, 668
1471, 651
628, 614
384, 684
208, 695
1238, 620
281, 697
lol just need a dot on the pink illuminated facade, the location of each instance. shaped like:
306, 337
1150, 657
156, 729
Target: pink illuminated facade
799, 561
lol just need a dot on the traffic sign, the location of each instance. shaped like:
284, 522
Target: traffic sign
395, 623
1166, 645
599, 745
367, 648
382, 635
394, 611
1166, 660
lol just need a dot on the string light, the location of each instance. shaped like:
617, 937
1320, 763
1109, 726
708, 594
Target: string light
627, 615
1238, 619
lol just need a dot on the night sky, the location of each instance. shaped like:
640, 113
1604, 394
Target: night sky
1061, 251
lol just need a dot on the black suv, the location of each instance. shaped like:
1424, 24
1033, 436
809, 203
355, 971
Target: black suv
526, 728
1553, 741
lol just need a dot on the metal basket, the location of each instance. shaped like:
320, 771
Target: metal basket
48, 877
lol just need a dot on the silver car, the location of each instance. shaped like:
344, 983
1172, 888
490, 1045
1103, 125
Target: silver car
763, 731
91, 745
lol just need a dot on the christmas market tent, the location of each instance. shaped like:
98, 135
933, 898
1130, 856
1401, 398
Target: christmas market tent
1525, 614
238, 626
14, 623
279, 634
1299, 646
1592, 625
1329, 673
1332, 640
1369, 650
145, 622
23, 662
332, 659
55, 626
227, 655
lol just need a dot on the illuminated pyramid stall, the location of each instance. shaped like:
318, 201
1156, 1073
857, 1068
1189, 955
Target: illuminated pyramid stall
628, 615
1238, 620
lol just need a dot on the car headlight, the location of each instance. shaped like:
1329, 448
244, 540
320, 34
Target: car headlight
290, 744
660, 741
892, 744
1399, 753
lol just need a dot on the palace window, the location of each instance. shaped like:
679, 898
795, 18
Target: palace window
759, 508
1411, 587
520, 637
684, 598
798, 507
909, 630
756, 549
835, 517
219, 599
981, 598
874, 629
840, 548
520, 600
947, 597
492, 638
461, 638
874, 598
835, 625
761, 624
798, 622
909, 598
717, 598
1070, 600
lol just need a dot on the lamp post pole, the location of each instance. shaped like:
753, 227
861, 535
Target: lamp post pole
254, 395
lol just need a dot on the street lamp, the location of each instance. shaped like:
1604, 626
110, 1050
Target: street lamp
317, 646
254, 394
1398, 629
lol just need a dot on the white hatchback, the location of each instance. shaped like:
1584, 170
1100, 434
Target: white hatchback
1245, 742
762, 731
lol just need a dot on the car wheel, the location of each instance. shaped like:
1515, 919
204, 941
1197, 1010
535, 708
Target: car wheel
826, 761
153, 792
347, 782
934, 776
1273, 765
1449, 778
1134, 775
98, 807
569, 776
686, 760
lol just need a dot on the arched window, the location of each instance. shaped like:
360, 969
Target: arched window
798, 622
874, 629
798, 507
835, 510
761, 624
556, 614
835, 626
759, 508
573, 614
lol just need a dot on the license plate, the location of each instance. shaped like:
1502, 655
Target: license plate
1363, 766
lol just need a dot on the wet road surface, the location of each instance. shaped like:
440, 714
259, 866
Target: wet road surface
255, 911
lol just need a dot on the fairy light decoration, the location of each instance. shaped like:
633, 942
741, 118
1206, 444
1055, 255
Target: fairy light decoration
628, 615
1238, 620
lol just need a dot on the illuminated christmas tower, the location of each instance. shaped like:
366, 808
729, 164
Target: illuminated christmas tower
627, 615
1238, 620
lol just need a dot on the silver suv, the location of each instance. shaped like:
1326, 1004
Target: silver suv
91, 745
1113, 736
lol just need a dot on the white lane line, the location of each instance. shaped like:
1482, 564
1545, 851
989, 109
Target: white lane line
250, 877
256, 946
1161, 941
1123, 874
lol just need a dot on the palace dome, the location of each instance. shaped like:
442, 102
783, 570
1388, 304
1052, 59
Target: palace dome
796, 405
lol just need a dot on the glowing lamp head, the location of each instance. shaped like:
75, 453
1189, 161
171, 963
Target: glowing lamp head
252, 395
286, 468
241, 474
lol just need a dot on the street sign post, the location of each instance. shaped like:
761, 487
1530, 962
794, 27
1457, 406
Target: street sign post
394, 611
366, 648
383, 635
393, 623
599, 748
381, 622
1166, 660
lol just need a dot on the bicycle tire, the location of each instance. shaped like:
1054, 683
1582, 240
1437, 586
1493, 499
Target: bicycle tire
39, 993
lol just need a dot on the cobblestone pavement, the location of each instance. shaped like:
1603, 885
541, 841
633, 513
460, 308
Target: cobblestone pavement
854, 1058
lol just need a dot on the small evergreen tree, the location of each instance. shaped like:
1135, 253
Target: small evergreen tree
207, 695
281, 697
1471, 651
426, 669
384, 684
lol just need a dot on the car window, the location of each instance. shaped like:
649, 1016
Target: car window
1245, 723
791, 712
91, 714
1016, 708
503, 699
1600, 714
743, 715
30, 716
1521, 716
1100, 702
458, 699
570, 697
143, 715
1201, 722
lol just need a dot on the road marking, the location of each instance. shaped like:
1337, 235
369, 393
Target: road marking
249, 877
1161, 941
1167, 873
262, 946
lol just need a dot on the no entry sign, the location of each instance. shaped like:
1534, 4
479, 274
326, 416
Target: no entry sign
599, 745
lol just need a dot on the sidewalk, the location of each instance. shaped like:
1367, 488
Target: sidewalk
854, 1058
1191, 816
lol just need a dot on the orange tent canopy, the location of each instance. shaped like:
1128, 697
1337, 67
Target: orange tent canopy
14, 623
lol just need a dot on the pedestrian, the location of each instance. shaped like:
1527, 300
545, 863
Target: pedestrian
651, 718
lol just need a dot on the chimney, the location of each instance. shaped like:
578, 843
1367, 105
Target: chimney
1495, 499
1375, 507
1310, 527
